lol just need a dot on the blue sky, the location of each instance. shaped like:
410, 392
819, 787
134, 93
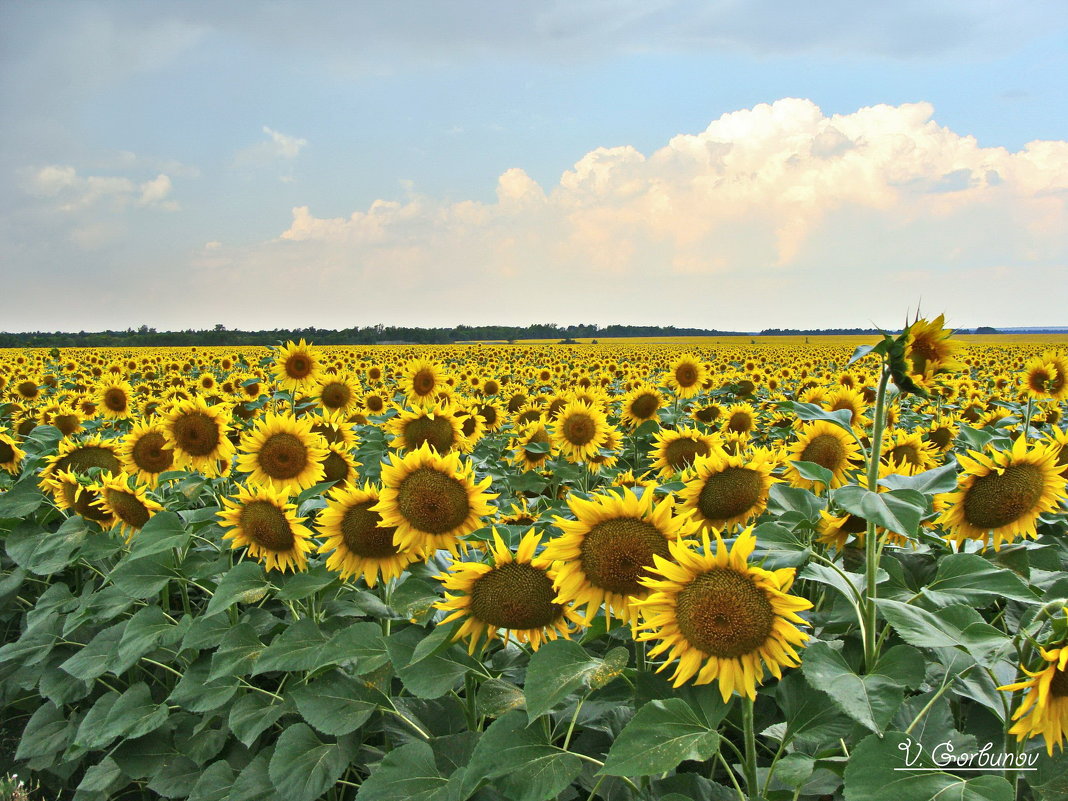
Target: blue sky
726, 164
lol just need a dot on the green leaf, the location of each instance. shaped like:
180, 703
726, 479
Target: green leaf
899, 511
133, 714
954, 626
241, 581
415, 597
21, 501
811, 717
497, 696
214, 783
254, 782
556, 670
308, 582
813, 472
35, 644
161, 534
300, 646
143, 632
970, 579
46, 733
520, 762
95, 659
91, 733
783, 499
45, 552
660, 736
303, 767
929, 482
871, 699
872, 775
864, 350
100, 776
252, 714
434, 675
144, 577
361, 642
176, 778
195, 693
334, 703
810, 411
408, 773
237, 652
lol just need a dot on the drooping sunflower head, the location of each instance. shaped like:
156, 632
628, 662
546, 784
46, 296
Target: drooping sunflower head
297, 367
514, 594
579, 431
930, 349
197, 434
674, 450
908, 453
826, 445
686, 376
531, 446
282, 452
361, 544
267, 525
11, 455
130, 506
144, 452
339, 466
80, 457
723, 619
724, 489
432, 499
941, 435
335, 428
1044, 708
609, 546
67, 419
1000, 495
431, 424
835, 531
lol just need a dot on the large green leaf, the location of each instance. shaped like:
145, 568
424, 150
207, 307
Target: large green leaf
929, 482
21, 501
898, 511
143, 632
96, 658
811, 716
145, 577
134, 714
300, 646
252, 714
214, 783
46, 733
970, 579
237, 652
335, 703
435, 674
520, 762
163, 532
253, 783
46, 552
556, 670
956, 626
660, 736
303, 767
195, 693
877, 771
870, 699
241, 582
408, 773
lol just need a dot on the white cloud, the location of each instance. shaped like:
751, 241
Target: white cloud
73, 192
284, 146
778, 196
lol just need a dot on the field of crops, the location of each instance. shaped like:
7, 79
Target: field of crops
627, 570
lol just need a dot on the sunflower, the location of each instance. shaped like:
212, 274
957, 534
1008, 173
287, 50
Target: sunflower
67, 419
850, 400
197, 434
76, 493
11, 455
941, 435
491, 414
628, 479
515, 593
297, 367
723, 489
908, 453
529, 435
641, 404
283, 453
422, 381
129, 506
708, 414
339, 393
608, 454
335, 428
431, 424
999, 496
739, 418
1046, 376
268, 526
1044, 709
432, 499
686, 376
929, 349
144, 452
361, 545
824, 444
835, 530
721, 617
374, 403
675, 450
80, 457
610, 546
580, 431
339, 467
1057, 440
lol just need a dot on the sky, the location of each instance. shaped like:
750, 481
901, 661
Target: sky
728, 164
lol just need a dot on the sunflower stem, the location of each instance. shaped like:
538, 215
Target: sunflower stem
871, 542
1027, 418
749, 733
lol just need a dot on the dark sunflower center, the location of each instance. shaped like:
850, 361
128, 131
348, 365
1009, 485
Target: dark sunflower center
732, 492
515, 596
529, 416
724, 613
686, 375
115, 399
1039, 380
66, 423
423, 382
488, 413
336, 396
468, 425
335, 468
491, 387
707, 414
83, 506
283, 456
740, 422
644, 406
541, 435
680, 453
579, 428
328, 432
363, 534
826, 450
908, 454
435, 431
7, 453
1058, 685
298, 366
150, 454
197, 433
517, 402
266, 525
615, 553
844, 405
941, 437
374, 403
854, 524
746, 387
998, 499
922, 351
432, 501
127, 507
27, 389
81, 459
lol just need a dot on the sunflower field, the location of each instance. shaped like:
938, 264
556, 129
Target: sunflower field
688, 571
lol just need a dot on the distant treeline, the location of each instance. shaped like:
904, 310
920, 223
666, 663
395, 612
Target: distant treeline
381, 334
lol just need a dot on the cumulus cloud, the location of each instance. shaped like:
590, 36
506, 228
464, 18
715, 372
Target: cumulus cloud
72, 191
276, 153
779, 196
